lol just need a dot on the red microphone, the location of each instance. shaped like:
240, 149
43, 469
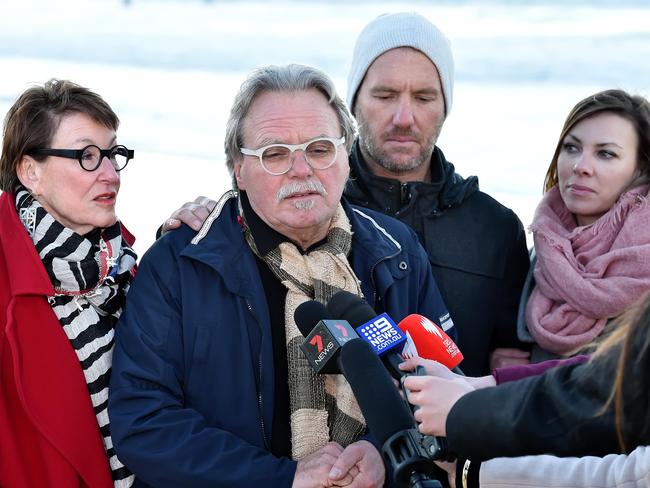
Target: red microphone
431, 341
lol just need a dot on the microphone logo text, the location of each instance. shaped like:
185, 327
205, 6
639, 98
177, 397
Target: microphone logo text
324, 352
381, 333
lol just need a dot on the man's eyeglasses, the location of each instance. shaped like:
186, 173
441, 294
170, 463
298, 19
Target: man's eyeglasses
90, 157
277, 159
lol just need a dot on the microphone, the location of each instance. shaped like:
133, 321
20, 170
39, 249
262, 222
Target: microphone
391, 346
387, 416
431, 342
324, 336
379, 331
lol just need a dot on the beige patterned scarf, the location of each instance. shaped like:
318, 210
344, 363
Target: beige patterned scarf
322, 407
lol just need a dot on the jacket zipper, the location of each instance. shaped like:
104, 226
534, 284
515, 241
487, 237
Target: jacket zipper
405, 194
259, 391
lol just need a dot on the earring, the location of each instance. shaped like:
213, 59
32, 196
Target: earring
28, 218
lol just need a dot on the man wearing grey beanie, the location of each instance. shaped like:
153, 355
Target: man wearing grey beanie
400, 90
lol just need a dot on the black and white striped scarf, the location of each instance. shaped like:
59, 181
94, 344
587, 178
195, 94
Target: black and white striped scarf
91, 275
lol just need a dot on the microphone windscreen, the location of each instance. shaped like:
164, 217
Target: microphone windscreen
431, 341
382, 407
348, 306
308, 314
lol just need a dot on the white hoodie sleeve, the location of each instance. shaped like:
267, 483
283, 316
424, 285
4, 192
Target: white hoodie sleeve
614, 470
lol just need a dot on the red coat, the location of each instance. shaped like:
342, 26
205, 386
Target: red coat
48, 431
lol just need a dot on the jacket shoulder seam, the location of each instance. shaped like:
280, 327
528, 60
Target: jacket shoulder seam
378, 227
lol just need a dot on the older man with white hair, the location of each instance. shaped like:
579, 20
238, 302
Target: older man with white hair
400, 89
209, 386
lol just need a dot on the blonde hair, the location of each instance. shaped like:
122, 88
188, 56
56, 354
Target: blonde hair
623, 349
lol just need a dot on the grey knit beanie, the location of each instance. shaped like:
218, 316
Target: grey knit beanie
405, 29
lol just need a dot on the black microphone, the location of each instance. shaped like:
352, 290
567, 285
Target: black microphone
387, 416
383, 335
324, 336
389, 348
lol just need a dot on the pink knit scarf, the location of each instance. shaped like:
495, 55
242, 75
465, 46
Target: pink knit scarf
586, 275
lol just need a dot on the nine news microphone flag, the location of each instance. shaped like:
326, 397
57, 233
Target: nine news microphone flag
379, 331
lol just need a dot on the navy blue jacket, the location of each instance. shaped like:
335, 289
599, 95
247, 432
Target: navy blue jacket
191, 394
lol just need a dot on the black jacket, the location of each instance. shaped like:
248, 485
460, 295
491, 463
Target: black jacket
476, 246
567, 411
554, 413
564, 412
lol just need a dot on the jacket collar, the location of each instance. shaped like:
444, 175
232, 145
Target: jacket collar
15, 242
369, 237
220, 242
448, 189
373, 247
220, 245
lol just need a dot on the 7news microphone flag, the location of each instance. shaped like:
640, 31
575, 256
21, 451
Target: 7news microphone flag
324, 336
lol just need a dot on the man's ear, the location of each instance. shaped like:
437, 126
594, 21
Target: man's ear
238, 177
28, 172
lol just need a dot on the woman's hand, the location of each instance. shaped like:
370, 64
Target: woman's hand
192, 214
435, 397
433, 368
508, 356
438, 370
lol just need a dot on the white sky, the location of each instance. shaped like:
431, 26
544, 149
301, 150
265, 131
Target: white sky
170, 69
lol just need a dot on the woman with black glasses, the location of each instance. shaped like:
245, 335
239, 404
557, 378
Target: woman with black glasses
65, 267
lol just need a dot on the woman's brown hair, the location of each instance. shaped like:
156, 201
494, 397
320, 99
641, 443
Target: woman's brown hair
634, 108
34, 118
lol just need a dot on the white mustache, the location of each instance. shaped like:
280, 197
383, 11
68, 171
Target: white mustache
297, 188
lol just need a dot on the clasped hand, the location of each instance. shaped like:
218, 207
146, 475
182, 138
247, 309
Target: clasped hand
357, 466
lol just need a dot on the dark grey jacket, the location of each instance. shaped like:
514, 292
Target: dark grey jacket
476, 246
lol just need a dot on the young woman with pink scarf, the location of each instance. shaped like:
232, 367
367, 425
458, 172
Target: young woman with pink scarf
591, 230
592, 237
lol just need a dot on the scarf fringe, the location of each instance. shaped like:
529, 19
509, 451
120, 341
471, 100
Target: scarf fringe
629, 202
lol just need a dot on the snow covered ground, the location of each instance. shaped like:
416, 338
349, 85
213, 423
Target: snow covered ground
170, 69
